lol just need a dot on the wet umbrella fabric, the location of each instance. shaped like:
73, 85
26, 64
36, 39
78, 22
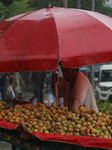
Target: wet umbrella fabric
37, 40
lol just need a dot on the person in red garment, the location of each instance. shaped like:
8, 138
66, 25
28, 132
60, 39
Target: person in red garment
75, 88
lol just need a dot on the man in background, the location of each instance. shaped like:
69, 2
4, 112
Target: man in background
37, 78
4, 82
16, 82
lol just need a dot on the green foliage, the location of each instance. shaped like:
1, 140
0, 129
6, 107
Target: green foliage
87, 4
104, 106
17, 7
10, 8
1, 10
7, 2
22, 6
99, 6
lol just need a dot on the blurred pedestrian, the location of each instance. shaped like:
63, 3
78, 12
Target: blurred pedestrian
16, 82
48, 89
4, 82
38, 78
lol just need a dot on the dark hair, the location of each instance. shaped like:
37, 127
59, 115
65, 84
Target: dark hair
60, 63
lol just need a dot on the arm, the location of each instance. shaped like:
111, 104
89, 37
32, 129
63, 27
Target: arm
79, 92
60, 85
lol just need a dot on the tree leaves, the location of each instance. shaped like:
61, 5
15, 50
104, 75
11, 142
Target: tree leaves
10, 8
37, 4
7, 2
17, 7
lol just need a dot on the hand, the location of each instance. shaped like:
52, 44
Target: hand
54, 77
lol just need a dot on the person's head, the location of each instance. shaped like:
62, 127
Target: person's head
69, 73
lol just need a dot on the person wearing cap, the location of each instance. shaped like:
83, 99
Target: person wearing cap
75, 88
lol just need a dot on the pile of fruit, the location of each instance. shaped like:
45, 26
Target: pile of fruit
103, 106
56, 120
3, 105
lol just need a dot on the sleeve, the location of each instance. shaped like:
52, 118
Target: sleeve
79, 92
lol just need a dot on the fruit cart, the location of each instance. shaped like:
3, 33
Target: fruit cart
28, 142
20, 136
35, 144
38, 40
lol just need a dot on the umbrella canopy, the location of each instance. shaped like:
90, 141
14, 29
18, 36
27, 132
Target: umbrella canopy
37, 40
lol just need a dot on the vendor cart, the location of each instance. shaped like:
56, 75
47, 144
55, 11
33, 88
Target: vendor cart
14, 137
20, 139
38, 40
19, 136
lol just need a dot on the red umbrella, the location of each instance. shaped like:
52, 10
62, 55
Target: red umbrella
37, 40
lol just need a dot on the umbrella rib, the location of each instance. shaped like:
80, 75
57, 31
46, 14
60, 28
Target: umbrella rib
56, 32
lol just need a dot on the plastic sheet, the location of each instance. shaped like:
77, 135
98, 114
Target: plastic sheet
79, 140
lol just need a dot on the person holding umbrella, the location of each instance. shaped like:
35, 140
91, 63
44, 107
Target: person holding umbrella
75, 88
